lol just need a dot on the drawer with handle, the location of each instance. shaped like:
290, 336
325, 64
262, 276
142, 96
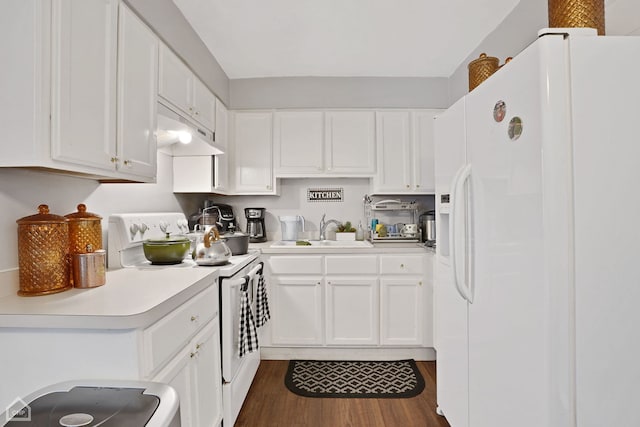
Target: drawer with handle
167, 336
402, 264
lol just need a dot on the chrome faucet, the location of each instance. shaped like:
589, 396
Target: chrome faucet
324, 224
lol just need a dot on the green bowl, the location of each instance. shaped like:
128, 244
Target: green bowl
166, 251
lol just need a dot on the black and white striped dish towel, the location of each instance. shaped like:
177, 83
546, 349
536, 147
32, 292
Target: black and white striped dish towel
248, 342
262, 303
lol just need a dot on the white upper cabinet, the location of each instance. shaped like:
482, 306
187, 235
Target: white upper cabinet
423, 146
393, 135
176, 80
222, 139
83, 77
252, 153
405, 152
69, 72
204, 105
137, 92
184, 90
298, 143
350, 143
316, 143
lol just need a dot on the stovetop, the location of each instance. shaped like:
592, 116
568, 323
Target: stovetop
127, 231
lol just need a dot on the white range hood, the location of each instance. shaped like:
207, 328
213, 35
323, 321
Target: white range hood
177, 135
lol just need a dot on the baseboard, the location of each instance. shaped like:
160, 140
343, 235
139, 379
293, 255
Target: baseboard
311, 353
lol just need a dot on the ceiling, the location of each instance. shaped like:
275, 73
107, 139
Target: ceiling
377, 38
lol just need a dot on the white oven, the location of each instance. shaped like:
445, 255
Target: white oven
126, 233
237, 372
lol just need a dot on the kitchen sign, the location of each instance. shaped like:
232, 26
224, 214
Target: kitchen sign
325, 195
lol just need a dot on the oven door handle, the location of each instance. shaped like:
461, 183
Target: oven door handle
254, 271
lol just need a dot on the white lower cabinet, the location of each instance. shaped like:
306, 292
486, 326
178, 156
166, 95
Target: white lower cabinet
182, 348
196, 374
298, 304
401, 311
351, 311
345, 300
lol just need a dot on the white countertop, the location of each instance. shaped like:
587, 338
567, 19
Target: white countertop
131, 298
385, 247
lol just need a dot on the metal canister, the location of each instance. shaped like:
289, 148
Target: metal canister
43, 243
85, 229
89, 268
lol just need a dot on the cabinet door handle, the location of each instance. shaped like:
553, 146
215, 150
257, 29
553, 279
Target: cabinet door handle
197, 113
407, 185
194, 318
128, 163
401, 265
417, 185
200, 345
193, 354
114, 160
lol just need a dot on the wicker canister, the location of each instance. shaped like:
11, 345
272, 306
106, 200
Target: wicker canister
85, 229
480, 69
577, 13
43, 242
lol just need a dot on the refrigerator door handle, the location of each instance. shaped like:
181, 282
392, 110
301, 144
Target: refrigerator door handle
459, 242
457, 262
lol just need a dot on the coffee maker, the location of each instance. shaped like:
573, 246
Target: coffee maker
255, 224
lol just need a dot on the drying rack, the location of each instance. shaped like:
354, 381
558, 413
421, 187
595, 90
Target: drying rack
389, 208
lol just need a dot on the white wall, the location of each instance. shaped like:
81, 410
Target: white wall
518, 30
293, 201
171, 26
339, 92
21, 191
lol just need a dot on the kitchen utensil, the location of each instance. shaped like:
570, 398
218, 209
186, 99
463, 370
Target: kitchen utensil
428, 227
89, 268
577, 13
409, 230
168, 250
226, 220
85, 230
291, 226
211, 250
43, 245
238, 242
255, 224
481, 69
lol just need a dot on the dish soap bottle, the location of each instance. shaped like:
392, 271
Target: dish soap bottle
360, 232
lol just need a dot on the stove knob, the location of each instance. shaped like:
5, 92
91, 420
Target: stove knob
163, 226
183, 226
143, 227
133, 229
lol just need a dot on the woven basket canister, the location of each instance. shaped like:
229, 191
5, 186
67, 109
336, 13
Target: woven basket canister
577, 13
43, 242
481, 69
84, 229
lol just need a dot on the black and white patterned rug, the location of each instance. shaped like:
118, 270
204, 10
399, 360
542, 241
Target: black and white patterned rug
356, 379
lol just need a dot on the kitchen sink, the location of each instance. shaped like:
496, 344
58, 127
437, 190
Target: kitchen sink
338, 244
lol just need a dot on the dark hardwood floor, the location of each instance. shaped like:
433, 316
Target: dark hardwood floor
270, 403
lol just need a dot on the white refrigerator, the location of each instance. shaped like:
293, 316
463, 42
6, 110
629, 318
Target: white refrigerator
537, 281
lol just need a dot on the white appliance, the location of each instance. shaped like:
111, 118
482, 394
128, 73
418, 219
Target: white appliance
537, 274
291, 225
97, 402
126, 233
237, 372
